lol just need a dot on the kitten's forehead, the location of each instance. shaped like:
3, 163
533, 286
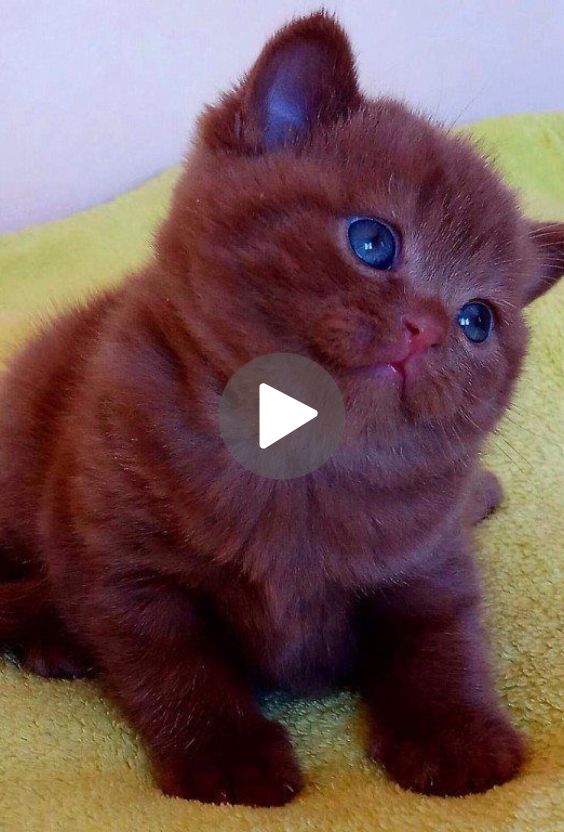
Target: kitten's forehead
392, 150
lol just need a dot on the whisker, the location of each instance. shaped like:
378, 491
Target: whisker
545, 436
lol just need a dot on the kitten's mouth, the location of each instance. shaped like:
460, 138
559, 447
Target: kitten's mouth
393, 371
397, 371
398, 382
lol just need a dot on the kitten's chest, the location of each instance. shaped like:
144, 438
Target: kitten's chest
298, 636
296, 574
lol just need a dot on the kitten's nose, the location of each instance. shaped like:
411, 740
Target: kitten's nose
358, 338
423, 332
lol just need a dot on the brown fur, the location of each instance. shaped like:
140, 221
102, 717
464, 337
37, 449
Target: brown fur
130, 539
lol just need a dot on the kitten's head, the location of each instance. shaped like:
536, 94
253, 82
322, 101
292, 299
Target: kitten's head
311, 219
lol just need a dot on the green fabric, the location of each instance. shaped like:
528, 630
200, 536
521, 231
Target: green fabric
68, 761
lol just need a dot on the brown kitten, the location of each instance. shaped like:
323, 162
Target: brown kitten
133, 542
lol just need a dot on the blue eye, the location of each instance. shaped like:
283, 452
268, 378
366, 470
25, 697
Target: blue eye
476, 321
373, 242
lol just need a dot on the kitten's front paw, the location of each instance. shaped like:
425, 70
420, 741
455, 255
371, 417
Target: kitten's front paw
455, 757
252, 763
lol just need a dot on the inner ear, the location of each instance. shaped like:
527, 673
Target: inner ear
304, 77
548, 239
290, 93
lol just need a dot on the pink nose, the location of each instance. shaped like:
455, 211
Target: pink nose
424, 332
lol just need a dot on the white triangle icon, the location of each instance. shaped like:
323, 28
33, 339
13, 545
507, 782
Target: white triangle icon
280, 414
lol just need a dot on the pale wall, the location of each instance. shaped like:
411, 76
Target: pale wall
98, 95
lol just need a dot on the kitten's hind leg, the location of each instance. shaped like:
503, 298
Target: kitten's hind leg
21, 602
51, 652
29, 628
23, 589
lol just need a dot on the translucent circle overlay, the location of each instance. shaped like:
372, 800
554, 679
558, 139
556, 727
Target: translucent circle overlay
301, 451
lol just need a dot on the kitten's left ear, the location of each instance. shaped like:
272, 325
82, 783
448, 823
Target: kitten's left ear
304, 77
548, 239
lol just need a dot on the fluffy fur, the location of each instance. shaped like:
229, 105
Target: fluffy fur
131, 543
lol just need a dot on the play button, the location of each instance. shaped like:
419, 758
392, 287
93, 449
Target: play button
281, 416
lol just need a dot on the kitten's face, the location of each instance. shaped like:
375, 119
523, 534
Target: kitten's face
366, 239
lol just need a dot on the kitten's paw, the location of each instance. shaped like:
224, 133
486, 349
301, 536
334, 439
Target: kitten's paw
252, 764
455, 758
486, 496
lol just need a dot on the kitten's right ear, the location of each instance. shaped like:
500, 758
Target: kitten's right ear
305, 76
548, 239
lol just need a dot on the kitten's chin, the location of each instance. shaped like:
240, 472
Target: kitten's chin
391, 397
373, 399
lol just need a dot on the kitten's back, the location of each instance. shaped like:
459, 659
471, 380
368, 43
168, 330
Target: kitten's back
36, 392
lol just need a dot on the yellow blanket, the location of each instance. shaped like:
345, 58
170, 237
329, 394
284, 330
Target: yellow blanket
69, 762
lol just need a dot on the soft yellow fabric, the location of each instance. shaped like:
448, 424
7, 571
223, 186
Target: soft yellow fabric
69, 762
